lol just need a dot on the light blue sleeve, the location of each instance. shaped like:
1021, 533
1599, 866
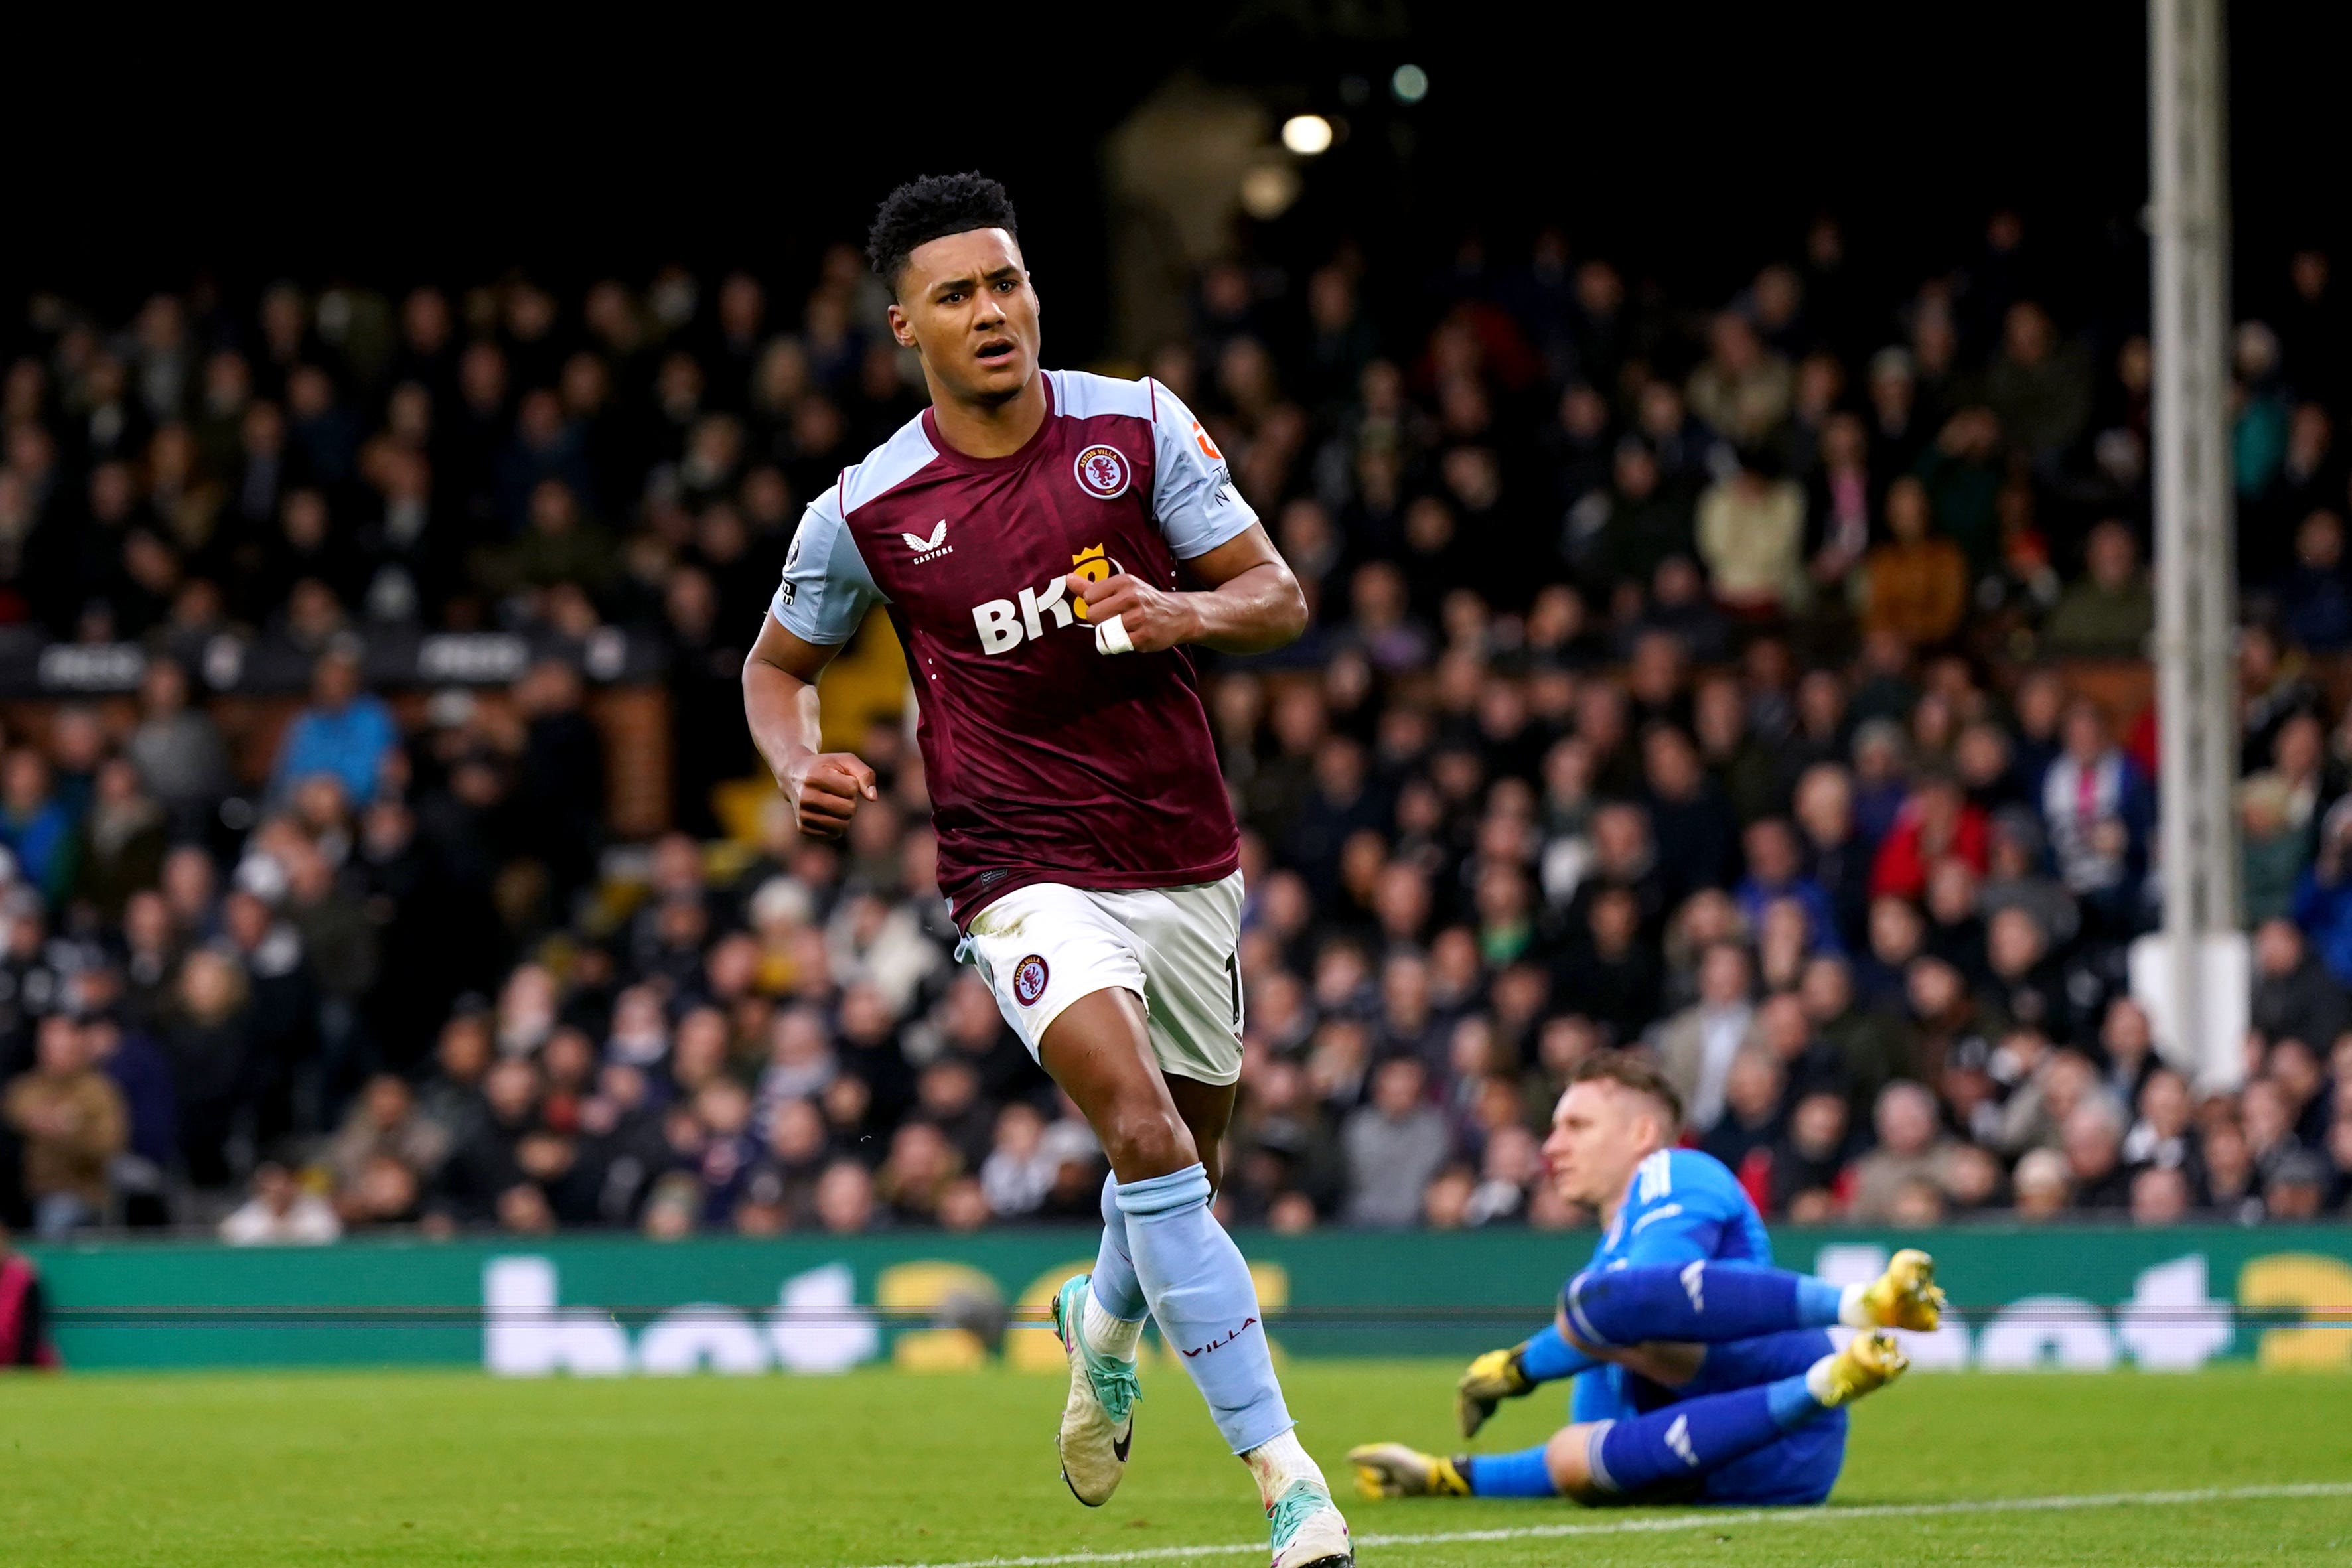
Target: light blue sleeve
1546, 1357
826, 589
1192, 493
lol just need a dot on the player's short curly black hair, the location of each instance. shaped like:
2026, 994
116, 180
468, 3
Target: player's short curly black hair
923, 210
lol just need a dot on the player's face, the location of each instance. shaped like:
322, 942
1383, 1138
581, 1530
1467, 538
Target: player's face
965, 304
1600, 1131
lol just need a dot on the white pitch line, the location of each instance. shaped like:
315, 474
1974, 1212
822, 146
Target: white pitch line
1699, 1521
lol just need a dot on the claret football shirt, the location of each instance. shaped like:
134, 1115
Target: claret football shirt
1046, 761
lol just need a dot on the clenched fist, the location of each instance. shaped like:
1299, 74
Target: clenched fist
825, 790
1154, 619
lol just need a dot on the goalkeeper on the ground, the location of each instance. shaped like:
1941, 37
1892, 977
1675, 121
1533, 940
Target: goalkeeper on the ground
1703, 1373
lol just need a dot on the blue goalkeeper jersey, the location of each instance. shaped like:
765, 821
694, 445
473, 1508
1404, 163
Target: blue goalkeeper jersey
1682, 1207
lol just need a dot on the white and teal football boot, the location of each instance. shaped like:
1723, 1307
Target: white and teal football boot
1099, 1422
1306, 1531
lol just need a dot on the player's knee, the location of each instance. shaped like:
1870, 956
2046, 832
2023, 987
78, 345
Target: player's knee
1569, 1458
1148, 1141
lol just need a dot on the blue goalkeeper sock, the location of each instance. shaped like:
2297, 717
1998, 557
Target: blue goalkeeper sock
1547, 1358
1522, 1474
1700, 1303
1115, 1290
1696, 1437
1206, 1307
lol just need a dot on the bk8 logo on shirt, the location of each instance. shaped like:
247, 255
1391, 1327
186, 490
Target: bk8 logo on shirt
1003, 624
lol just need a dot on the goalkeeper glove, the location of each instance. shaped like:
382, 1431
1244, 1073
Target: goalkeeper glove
1492, 1378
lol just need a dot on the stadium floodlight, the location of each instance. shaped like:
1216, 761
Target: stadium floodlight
1411, 84
1307, 134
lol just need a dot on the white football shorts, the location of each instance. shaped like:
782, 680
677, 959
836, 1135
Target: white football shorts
1045, 946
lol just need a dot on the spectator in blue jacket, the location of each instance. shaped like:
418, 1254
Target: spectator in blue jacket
344, 731
1776, 871
35, 825
2323, 898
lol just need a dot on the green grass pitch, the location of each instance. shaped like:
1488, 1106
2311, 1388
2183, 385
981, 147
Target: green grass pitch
876, 1468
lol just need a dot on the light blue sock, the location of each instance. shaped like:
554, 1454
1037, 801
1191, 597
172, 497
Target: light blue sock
1116, 1289
1819, 1302
1547, 1358
1206, 1307
1522, 1474
1792, 1402
1696, 1437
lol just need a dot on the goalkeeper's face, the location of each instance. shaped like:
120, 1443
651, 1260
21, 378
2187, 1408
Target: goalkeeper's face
1600, 1131
965, 304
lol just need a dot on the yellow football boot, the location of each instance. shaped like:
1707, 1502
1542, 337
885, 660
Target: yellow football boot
1869, 1362
1906, 1295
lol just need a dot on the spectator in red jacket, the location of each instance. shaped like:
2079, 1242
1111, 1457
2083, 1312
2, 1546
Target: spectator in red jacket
1937, 821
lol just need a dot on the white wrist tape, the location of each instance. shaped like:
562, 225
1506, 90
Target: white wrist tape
1110, 637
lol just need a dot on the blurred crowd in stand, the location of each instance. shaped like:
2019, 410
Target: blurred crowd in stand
1751, 680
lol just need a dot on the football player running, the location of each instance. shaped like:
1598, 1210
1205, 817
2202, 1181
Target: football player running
1049, 546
